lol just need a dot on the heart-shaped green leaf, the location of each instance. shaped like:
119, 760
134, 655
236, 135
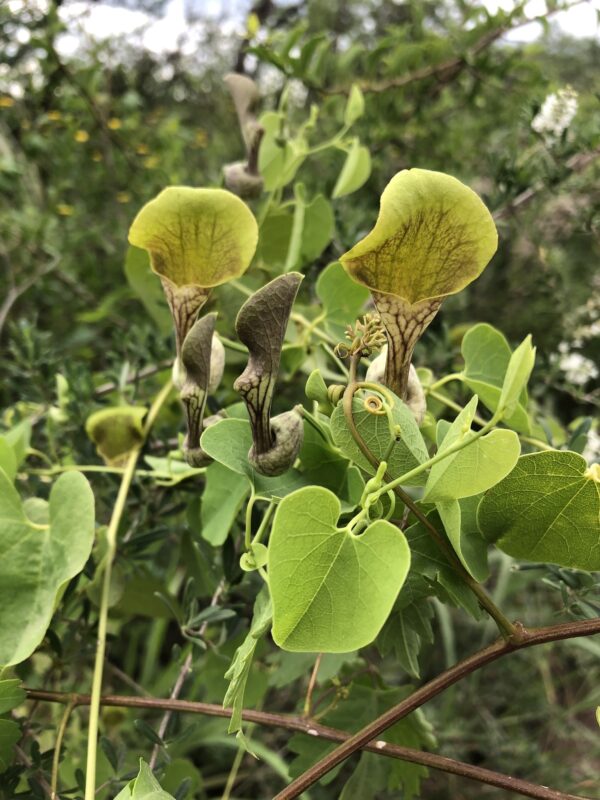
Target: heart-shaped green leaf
38, 558
477, 466
460, 522
332, 590
547, 509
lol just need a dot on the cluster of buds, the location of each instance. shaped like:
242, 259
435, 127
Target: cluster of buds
365, 337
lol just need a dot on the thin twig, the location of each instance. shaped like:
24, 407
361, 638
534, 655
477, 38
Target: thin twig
57, 748
24, 758
576, 163
147, 372
186, 668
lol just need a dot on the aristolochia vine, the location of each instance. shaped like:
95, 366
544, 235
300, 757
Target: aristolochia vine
337, 516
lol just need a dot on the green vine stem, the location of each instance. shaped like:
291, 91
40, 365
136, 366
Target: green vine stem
111, 541
479, 421
505, 626
57, 748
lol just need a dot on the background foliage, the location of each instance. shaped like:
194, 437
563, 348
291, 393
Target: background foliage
85, 140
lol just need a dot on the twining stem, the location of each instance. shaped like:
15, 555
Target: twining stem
57, 748
506, 627
529, 638
111, 549
479, 421
311, 686
233, 773
432, 689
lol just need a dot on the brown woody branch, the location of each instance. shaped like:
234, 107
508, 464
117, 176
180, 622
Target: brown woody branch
311, 728
575, 164
446, 70
528, 638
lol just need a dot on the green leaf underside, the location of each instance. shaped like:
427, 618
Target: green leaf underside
343, 300
407, 453
355, 172
147, 287
223, 496
459, 518
429, 562
477, 466
487, 354
229, 441
200, 237
11, 694
332, 591
144, 787
546, 510
433, 236
37, 562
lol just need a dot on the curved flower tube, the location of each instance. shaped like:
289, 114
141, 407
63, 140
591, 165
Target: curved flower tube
261, 325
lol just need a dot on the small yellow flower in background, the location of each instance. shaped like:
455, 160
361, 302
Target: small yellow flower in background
201, 138
6, 101
81, 136
65, 210
142, 150
114, 123
123, 197
151, 162
54, 116
96, 155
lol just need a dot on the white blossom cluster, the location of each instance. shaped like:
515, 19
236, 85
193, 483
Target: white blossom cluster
556, 114
577, 369
592, 448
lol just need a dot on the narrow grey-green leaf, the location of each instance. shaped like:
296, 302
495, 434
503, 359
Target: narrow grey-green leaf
547, 509
238, 672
